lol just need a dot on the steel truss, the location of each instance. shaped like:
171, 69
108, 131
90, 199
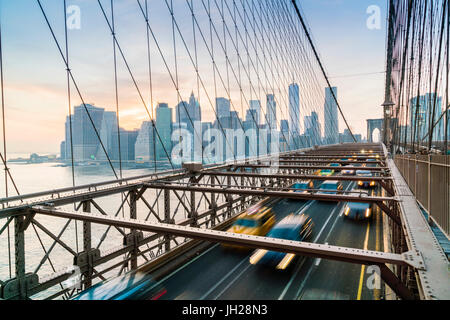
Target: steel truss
158, 213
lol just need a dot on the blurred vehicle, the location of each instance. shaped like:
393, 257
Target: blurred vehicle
371, 164
367, 183
358, 210
293, 227
348, 172
326, 172
330, 187
131, 286
257, 221
303, 186
334, 165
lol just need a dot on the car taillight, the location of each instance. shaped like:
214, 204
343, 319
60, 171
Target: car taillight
159, 294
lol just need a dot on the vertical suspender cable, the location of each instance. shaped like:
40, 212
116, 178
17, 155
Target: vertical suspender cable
70, 113
321, 66
4, 144
113, 33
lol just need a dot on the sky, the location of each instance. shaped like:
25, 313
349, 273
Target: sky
35, 82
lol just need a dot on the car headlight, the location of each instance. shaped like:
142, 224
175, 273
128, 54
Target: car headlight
257, 256
367, 212
347, 211
285, 262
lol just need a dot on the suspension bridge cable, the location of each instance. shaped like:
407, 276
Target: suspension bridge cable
321, 66
66, 38
76, 86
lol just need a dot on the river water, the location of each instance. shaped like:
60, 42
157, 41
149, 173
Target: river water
31, 178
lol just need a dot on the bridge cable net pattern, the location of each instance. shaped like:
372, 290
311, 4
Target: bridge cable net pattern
242, 51
417, 80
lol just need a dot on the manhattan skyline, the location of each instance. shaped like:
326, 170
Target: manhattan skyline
34, 127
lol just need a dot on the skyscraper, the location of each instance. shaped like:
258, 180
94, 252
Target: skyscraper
145, 147
294, 112
194, 108
331, 116
164, 128
108, 134
256, 106
271, 112
127, 145
222, 107
250, 119
424, 106
85, 140
313, 129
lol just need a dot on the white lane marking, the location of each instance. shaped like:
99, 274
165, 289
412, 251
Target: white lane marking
232, 281
184, 266
309, 272
319, 259
317, 237
300, 210
298, 270
223, 279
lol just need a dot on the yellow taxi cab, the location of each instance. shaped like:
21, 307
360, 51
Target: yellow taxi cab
256, 221
325, 172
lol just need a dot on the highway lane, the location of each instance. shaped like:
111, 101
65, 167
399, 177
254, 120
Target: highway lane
220, 273
345, 280
199, 276
261, 282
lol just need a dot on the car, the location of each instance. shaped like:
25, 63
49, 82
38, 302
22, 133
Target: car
256, 220
334, 164
330, 187
135, 285
302, 186
327, 172
348, 172
358, 211
371, 164
293, 227
366, 183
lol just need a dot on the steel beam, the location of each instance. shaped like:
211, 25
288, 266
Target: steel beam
311, 167
411, 259
294, 176
267, 193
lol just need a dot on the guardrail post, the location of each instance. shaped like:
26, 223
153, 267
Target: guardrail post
19, 246
415, 174
243, 198
167, 218
229, 198
429, 188
133, 215
87, 244
193, 211
213, 203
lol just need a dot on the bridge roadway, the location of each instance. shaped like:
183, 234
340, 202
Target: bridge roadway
219, 273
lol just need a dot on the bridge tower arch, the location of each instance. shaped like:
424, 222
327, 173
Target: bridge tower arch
373, 124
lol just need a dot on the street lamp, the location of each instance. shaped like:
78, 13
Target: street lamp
387, 111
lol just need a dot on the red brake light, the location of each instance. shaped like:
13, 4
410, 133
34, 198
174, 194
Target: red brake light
159, 294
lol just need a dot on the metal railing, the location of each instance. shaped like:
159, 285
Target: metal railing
428, 177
